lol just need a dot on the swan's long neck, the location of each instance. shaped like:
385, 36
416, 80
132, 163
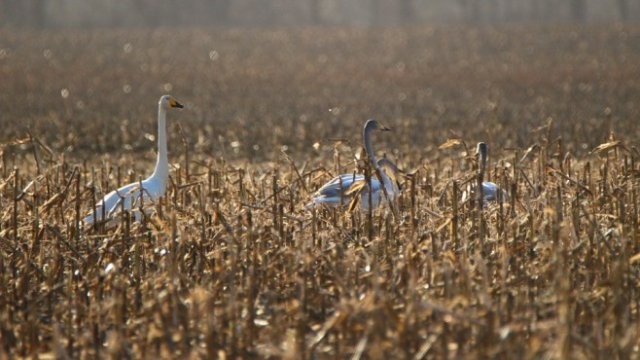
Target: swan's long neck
161, 172
482, 157
369, 148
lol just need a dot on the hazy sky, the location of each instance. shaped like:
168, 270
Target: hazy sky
79, 13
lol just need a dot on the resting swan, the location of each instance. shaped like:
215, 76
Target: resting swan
341, 189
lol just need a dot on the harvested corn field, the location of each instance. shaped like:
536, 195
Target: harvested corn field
230, 264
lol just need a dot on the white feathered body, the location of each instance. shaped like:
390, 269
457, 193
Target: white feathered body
131, 196
336, 192
490, 191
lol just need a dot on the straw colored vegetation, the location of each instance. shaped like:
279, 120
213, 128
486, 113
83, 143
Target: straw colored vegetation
230, 264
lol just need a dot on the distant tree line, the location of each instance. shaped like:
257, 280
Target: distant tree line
87, 13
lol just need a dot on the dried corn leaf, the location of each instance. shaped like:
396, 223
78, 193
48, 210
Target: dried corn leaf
450, 143
606, 146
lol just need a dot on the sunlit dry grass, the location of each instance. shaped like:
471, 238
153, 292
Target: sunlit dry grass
231, 265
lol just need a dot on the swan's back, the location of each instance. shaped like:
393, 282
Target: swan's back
341, 189
491, 191
136, 194
334, 192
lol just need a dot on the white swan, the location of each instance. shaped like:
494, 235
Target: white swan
490, 191
341, 189
148, 190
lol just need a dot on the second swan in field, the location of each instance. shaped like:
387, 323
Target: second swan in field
490, 191
146, 191
341, 189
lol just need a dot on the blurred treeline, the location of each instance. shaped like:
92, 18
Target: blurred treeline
151, 13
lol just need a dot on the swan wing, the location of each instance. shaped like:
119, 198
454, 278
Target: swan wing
339, 185
334, 192
127, 196
491, 192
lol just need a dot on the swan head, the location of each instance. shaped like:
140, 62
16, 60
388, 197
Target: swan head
167, 102
373, 124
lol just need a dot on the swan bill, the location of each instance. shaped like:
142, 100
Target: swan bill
175, 104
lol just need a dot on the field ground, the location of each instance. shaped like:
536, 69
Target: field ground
231, 264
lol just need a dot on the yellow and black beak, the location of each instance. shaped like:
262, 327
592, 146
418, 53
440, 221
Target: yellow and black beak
384, 128
175, 104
